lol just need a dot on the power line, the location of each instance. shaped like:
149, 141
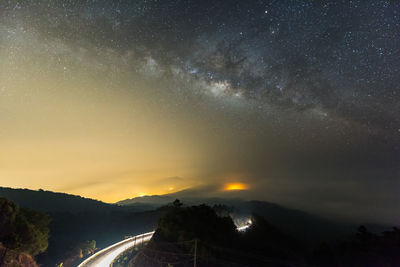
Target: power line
167, 252
164, 262
194, 255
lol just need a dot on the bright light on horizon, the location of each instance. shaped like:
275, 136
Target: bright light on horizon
235, 186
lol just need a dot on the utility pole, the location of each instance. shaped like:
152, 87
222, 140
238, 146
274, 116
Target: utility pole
195, 252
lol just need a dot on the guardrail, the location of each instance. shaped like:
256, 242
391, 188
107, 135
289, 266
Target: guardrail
138, 239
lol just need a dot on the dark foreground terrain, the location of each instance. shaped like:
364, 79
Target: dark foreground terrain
53, 229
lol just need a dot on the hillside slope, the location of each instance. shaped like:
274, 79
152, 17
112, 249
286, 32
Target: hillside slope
300, 224
47, 201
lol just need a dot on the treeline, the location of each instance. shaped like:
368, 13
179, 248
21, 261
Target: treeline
364, 249
29, 237
185, 234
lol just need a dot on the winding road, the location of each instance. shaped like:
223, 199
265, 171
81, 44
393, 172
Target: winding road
105, 257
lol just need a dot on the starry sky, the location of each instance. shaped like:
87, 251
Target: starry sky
297, 101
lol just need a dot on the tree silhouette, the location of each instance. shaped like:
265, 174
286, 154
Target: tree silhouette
22, 231
177, 203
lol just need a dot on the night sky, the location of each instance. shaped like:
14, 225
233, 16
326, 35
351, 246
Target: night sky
297, 100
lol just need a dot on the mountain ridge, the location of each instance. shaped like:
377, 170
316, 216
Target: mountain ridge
49, 201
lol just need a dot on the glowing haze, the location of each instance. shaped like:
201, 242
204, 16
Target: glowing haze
297, 100
235, 186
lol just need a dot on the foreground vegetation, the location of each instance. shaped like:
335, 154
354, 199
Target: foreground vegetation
277, 236
197, 233
23, 234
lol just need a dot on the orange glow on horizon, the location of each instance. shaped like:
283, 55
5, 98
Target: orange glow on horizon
235, 186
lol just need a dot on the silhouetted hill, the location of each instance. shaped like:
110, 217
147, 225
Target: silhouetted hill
47, 201
150, 201
185, 229
76, 220
191, 196
300, 224
303, 225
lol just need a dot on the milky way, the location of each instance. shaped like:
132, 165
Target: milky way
299, 97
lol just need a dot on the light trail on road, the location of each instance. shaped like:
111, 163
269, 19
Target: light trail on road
106, 256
